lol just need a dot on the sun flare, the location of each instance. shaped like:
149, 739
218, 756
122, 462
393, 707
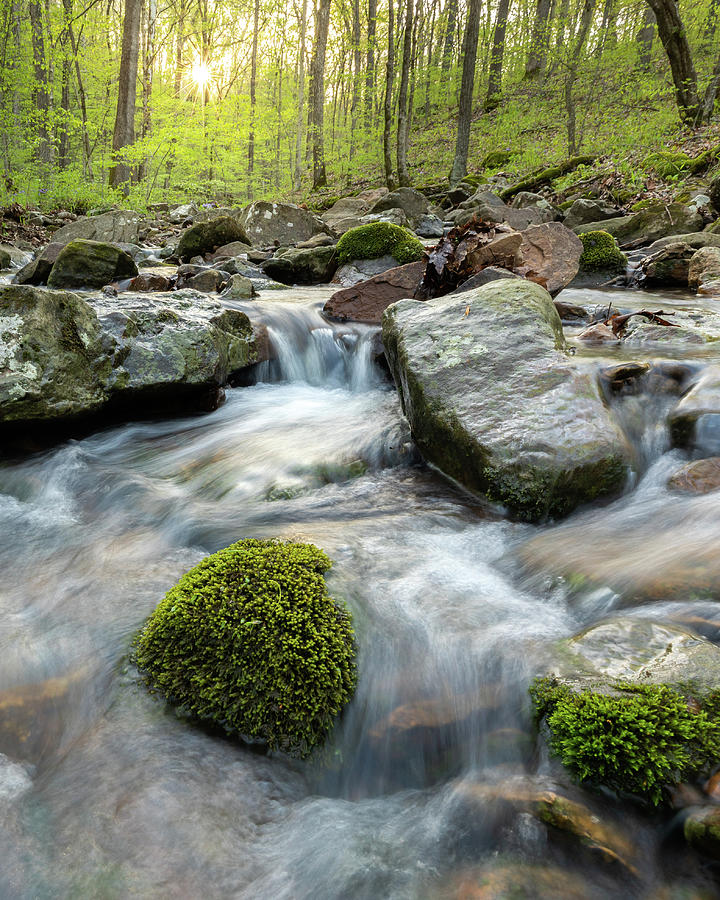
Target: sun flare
201, 74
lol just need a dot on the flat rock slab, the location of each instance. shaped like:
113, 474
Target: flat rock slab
367, 301
65, 356
637, 650
495, 402
120, 226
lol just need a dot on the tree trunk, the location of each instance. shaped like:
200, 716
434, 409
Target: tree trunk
711, 92
253, 80
470, 42
179, 47
370, 73
41, 87
299, 136
674, 40
87, 150
645, 39
124, 132
497, 54
317, 76
536, 60
389, 79
572, 68
402, 122
451, 11
148, 66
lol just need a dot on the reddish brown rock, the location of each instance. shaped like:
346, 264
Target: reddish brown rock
699, 477
148, 281
599, 334
550, 255
367, 301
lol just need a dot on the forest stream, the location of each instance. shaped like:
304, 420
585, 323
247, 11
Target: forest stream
117, 796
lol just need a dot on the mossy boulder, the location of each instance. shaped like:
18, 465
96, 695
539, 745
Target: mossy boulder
656, 221
250, 641
495, 402
634, 706
90, 264
206, 237
5, 259
601, 253
379, 239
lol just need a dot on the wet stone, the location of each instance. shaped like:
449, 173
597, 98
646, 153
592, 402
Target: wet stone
699, 477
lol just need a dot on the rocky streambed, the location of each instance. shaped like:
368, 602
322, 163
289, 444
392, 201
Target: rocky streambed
418, 470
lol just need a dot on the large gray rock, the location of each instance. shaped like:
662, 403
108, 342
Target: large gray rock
66, 356
491, 208
495, 402
695, 421
358, 270
668, 266
584, 211
704, 266
90, 264
696, 240
413, 203
314, 266
206, 237
656, 221
37, 271
279, 224
119, 226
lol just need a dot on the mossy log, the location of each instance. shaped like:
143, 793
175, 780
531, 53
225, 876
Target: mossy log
538, 179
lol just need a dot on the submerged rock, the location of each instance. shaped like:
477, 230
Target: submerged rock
65, 356
702, 830
699, 477
495, 403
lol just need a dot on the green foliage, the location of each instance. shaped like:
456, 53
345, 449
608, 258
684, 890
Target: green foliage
379, 239
601, 253
251, 641
639, 739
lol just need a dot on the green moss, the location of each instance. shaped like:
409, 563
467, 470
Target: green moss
601, 253
379, 239
670, 164
495, 159
636, 739
250, 641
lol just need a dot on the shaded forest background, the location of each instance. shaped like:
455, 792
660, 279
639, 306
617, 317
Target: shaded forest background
177, 100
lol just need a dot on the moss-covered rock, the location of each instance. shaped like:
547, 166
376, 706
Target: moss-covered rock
250, 641
656, 221
90, 264
4, 259
315, 265
601, 253
379, 239
638, 739
633, 705
205, 237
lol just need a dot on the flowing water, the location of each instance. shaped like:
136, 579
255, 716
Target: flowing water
104, 792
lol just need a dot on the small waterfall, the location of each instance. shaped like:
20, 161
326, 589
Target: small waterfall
307, 348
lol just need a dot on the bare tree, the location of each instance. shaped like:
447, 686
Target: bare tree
317, 92
301, 98
403, 116
674, 39
124, 132
535, 64
389, 79
41, 88
470, 42
497, 54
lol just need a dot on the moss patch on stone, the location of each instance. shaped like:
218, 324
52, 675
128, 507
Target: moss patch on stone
250, 641
633, 738
601, 253
378, 239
